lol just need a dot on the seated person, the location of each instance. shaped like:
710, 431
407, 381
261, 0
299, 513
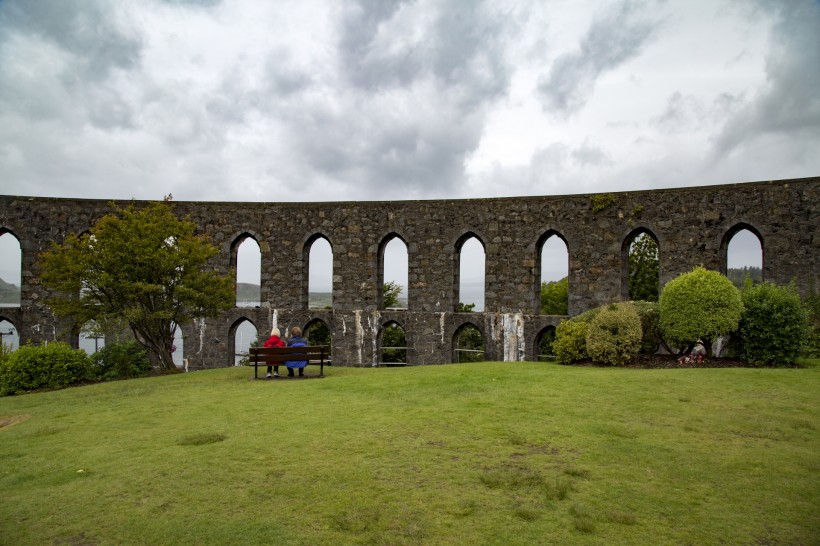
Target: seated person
296, 340
274, 341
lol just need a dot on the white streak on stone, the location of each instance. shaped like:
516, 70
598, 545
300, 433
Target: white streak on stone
513, 336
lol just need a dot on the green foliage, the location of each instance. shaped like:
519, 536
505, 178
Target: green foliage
773, 325
601, 201
465, 307
812, 346
739, 275
555, 297
392, 291
643, 268
545, 345
650, 326
318, 334
142, 267
614, 335
121, 360
393, 336
570, 343
699, 305
469, 339
52, 366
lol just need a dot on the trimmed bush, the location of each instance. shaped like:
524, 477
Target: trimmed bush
52, 366
651, 338
121, 360
570, 342
614, 335
773, 325
699, 305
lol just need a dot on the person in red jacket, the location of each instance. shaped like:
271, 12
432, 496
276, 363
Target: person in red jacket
274, 341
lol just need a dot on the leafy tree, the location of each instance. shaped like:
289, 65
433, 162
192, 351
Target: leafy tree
392, 290
465, 307
318, 334
469, 338
144, 268
555, 297
643, 268
394, 336
773, 325
699, 305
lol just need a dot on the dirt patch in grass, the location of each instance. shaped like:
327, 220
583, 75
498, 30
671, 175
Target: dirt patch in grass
8, 420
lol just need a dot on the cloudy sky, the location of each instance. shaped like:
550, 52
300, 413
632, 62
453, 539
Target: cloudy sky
317, 100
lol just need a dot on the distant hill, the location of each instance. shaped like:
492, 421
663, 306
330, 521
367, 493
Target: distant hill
9, 293
248, 295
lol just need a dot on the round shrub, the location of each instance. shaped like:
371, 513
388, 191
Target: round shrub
614, 335
699, 305
121, 360
52, 366
570, 341
773, 325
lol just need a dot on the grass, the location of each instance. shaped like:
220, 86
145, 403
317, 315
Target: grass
487, 453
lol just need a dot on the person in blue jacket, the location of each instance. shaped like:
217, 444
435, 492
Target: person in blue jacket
296, 340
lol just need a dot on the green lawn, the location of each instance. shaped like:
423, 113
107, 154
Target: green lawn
487, 453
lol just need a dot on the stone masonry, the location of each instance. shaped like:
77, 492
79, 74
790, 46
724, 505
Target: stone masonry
692, 226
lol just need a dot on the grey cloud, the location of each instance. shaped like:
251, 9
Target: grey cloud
611, 40
98, 39
790, 103
686, 113
590, 154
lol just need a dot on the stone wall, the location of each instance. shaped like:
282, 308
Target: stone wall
693, 227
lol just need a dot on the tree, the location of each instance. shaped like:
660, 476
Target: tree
555, 297
698, 306
144, 268
643, 268
392, 290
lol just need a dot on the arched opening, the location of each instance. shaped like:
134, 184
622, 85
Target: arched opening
553, 263
393, 343
641, 259
543, 344
248, 263
317, 333
319, 260
393, 273
244, 335
11, 259
470, 273
744, 255
9, 336
468, 344
91, 337
178, 348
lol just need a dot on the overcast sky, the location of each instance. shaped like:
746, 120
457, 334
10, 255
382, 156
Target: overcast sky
317, 100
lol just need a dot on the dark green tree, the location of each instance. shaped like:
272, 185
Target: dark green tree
318, 334
469, 340
555, 297
394, 344
144, 268
643, 268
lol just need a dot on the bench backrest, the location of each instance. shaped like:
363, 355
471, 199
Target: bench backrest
287, 354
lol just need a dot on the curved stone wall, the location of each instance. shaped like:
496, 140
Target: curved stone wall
692, 226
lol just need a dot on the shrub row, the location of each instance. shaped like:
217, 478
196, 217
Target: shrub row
768, 324
57, 365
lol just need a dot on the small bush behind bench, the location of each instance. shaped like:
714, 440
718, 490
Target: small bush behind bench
318, 355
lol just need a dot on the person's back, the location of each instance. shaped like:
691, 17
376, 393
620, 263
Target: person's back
296, 340
274, 341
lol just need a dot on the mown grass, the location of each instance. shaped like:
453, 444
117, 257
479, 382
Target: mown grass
488, 453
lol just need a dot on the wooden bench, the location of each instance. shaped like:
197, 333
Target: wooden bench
318, 355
